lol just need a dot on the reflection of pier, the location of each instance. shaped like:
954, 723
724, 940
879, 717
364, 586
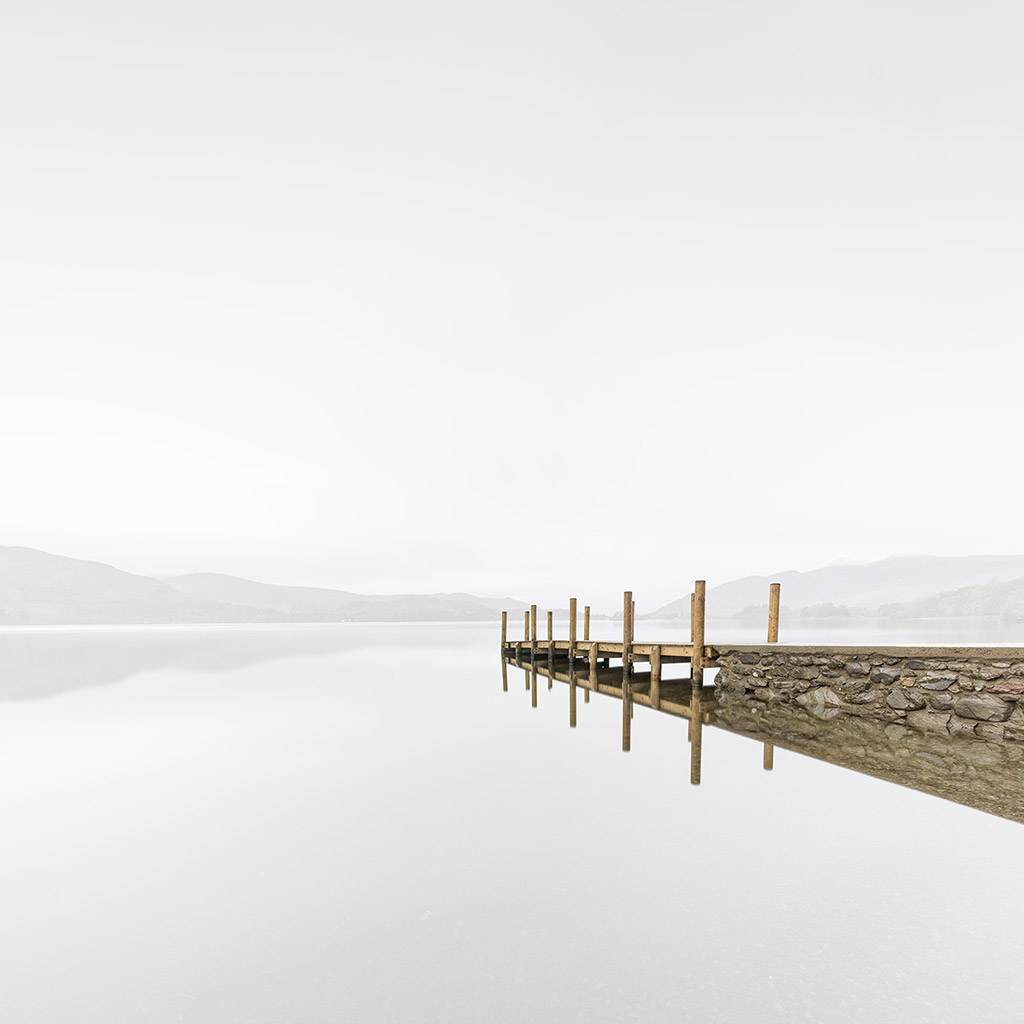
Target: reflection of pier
983, 774
678, 697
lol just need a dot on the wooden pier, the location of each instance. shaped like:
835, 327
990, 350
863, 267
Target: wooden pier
962, 691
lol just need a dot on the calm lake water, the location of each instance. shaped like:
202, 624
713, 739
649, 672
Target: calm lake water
355, 823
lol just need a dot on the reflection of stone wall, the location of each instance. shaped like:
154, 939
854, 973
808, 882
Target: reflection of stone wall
985, 774
952, 690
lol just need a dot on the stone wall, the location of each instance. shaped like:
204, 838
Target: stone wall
970, 690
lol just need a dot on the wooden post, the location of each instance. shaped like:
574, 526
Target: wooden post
697, 663
655, 677
627, 614
526, 626
504, 630
533, 625
551, 657
586, 623
551, 627
768, 756
692, 599
572, 628
632, 622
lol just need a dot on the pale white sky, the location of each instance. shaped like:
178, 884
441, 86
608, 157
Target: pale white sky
522, 298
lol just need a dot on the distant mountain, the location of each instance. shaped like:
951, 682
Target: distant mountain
866, 588
999, 598
319, 604
37, 588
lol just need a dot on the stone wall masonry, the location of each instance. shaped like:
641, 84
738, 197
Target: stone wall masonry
975, 691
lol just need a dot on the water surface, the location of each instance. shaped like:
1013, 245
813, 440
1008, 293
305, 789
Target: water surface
355, 823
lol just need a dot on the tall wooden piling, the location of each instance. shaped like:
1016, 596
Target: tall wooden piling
572, 628
533, 626
627, 696
551, 627
768, 757
586, 623
697, 664
692, 599
526, 640
504, 630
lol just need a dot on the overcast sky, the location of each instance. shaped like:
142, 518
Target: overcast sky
516, 298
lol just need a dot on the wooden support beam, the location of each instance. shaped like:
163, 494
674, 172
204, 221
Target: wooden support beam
551, 626
586, 623
504, 630
697, 664
526, 626
533, 624
693, 598
572, 628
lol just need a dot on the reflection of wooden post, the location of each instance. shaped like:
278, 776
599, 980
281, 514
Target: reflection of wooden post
697, 664
627, 614
696, 729
504, 675
551, 657
768, 759
655, 677
504, 630
773, 613
572, 694
586, 623
533, 685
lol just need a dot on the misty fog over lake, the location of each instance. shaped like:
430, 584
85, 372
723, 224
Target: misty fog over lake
354, 822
